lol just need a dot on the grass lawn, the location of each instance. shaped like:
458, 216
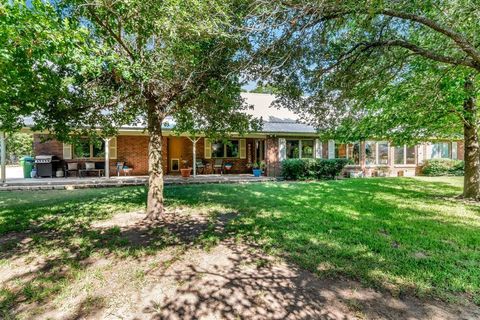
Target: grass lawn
404, 235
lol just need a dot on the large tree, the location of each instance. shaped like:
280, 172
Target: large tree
404, 70
147, 61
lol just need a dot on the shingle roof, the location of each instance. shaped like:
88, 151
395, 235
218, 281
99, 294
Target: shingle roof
275, 120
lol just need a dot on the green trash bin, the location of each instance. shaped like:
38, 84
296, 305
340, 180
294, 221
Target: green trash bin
27, 165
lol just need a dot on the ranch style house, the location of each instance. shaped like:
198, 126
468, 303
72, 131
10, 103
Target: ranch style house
282, 137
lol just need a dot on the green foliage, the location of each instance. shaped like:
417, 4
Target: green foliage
443, 167
19, 145
301, 169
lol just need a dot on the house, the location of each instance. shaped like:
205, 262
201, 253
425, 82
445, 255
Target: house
282, 137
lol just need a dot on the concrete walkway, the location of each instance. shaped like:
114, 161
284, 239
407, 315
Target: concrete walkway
98, 182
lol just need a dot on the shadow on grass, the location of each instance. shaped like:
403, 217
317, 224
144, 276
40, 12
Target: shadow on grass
368, 230
393, 234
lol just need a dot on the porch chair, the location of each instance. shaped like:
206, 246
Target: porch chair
218, 165
200, 165
71, 167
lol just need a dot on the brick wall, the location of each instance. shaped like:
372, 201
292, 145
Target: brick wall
460, 150
271, 158
134, 151
45, 145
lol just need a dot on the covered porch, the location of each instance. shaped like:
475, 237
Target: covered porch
71, 183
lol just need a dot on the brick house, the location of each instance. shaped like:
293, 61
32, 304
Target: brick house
282, 137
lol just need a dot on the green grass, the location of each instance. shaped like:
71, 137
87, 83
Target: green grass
404, 235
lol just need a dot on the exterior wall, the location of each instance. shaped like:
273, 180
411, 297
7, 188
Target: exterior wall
133, 150
273, 168
43, 145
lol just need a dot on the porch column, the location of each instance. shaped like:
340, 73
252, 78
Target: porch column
194, 164
107, 157
3, 158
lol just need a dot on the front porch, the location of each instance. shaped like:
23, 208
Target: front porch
71, 183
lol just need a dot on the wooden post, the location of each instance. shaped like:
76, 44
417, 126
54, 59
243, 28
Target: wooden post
107, 157
3, 157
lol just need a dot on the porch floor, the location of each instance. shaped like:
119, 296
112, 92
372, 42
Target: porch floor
115, 181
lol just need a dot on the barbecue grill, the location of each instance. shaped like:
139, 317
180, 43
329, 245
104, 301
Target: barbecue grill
46, 165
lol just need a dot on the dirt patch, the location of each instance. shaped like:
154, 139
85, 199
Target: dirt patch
232, 280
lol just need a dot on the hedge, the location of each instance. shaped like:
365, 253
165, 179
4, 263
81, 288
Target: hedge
443, 167
305, 169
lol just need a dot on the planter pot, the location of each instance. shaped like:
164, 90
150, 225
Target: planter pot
186, 172
257, 172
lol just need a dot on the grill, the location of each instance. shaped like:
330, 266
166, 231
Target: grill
46, 165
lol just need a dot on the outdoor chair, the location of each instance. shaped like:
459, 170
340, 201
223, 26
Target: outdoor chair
71, 167
92, 167
200, 166
218, 165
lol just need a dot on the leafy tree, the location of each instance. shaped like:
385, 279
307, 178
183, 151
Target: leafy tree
127, 62
404, 70
18, 145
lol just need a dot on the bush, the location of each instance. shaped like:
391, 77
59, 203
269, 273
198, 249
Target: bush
301, 169
443, 167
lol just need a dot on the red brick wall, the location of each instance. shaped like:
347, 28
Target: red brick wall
461, 150
44, 145
134, 151
271, 159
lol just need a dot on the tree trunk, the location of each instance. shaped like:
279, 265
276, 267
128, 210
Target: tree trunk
471, 182
155, 167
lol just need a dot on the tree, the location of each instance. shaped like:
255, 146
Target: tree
18, 145
405, 70
145, 62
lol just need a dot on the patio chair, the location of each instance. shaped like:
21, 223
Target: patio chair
200, 165
218, 165
71, 167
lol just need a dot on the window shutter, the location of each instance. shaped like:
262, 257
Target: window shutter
207, 149
331, 149
243, 148
282, 149
67, 151
454, 150
112, 147
318, 148
420, 155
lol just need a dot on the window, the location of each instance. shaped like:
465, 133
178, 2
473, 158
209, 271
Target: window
354, 153
410, 154
232, 149
404, 155
307, 148
376, 153
440, 150
383, 153
370, 153
293, 149
229, 149
399, 155
297, 149
85, 149
340, 150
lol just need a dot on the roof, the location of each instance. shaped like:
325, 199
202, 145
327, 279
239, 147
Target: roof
275, 120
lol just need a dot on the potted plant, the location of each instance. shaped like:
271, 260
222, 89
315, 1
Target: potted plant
257, 169
186, 170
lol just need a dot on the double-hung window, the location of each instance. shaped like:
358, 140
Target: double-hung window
376, 153
440, 150
84, 149
300, 149
229, 149
404, 155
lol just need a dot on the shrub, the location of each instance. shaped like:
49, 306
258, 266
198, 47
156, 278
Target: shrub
301, 169
443, 167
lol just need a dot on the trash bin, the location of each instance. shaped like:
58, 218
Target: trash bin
27, 165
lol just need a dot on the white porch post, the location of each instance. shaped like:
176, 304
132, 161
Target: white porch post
107, 157
194, 142
3, 158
